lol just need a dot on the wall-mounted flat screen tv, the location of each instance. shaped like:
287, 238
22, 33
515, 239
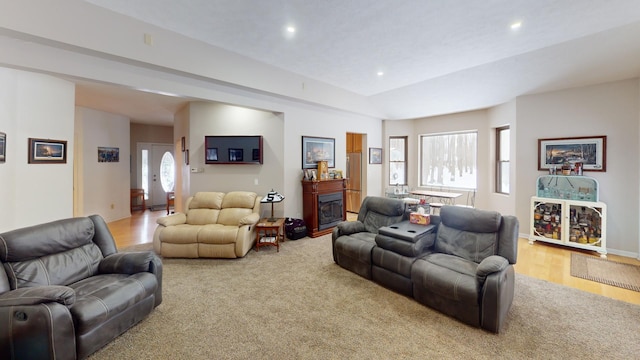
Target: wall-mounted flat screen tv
233, 149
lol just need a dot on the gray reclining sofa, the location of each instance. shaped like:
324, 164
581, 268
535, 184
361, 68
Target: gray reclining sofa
461, 266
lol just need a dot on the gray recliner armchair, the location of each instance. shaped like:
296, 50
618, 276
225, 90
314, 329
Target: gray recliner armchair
353, 241
65, 290
469, 272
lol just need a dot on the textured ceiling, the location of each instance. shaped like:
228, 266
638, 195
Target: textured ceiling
419, 45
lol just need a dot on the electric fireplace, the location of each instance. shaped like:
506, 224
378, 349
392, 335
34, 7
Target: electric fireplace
329, 210
323, 205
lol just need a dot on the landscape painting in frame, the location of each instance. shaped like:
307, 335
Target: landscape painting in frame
108, 154
590, 151
315, 149
46, 151
3, 146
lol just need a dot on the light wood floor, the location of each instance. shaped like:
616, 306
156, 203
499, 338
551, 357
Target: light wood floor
540, 260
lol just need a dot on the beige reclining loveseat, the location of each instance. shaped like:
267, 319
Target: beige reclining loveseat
214, 225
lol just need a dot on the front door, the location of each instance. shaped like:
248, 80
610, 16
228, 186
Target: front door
162, 174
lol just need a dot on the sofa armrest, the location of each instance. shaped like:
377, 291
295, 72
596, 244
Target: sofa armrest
344, 228
126, 263
490, 265
173, 219
497, 296
42, 330
250, 219
350, 227
38, 295
155, 267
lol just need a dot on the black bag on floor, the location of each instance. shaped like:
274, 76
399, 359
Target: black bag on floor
295, 228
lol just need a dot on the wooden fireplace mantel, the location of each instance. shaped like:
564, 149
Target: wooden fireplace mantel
310, 192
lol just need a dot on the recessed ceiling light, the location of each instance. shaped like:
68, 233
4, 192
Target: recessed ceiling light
516, 25
291, 29
380, 73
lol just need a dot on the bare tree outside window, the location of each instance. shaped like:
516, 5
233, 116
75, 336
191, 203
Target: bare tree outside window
449, 160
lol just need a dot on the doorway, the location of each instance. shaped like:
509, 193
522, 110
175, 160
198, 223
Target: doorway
156, 176
355, 170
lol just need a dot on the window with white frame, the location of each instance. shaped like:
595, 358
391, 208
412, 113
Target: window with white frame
449, 160
502, 159
397, 160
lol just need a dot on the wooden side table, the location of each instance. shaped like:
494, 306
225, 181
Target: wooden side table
269, 233
137, 200
171, 199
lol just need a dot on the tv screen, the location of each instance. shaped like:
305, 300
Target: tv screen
233, 149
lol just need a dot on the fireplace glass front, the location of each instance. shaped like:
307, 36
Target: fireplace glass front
330, 210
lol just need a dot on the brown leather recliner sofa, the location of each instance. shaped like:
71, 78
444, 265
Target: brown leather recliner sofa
65, 291
462, 267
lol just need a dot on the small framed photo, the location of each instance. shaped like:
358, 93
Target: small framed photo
375, 156
108, 154
45, 151
212, 154
236, 155
3, 146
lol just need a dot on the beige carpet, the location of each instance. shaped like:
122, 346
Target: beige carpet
604, 271
298, 304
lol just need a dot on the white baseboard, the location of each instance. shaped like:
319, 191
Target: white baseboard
629, 254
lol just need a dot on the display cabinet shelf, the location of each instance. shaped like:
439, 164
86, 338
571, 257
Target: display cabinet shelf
574, 223
582, 188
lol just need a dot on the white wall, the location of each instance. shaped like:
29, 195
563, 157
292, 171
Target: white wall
307, 120
282, 129
207, 118
301, 117
609, 109
35, 106
103, 188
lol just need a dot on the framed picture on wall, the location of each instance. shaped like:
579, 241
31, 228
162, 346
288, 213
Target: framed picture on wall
45, 151
108, 154
212, 154
375, 156
316, 149
591, 151
3, 146
236, 155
